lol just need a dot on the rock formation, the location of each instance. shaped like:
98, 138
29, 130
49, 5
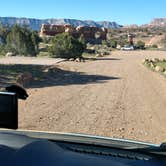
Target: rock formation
91, 34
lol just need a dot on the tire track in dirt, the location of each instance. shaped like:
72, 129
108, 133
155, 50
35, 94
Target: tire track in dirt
133, 106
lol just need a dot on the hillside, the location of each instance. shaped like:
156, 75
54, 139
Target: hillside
35, 24
158, 22
152, 34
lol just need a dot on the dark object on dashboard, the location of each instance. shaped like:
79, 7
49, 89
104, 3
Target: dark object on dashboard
9, 105
20, 91
8, 110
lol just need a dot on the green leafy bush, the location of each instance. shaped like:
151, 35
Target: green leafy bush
65, 46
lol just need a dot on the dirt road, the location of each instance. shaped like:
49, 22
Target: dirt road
115, 96
29, 60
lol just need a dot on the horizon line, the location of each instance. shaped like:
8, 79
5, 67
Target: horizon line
36, 18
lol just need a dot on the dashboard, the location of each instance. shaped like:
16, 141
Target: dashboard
19, 149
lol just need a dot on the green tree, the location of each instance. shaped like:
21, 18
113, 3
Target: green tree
82, 40
22, 41
65, 46
4, 31
35, 40
113, 43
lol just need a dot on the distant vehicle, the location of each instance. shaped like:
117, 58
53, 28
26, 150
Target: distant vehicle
127, 48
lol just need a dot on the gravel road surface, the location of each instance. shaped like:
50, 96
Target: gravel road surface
114, 96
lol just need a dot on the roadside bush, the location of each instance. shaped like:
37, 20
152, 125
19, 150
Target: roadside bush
154, 46
65, 46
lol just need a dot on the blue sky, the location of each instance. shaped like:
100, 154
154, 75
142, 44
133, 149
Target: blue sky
122, 11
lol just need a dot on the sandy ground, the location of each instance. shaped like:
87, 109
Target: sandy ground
29, 60
115, 96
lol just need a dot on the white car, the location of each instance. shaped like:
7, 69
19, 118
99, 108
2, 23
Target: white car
127, 48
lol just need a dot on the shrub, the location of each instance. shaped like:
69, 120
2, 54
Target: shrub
140, 45
113, 43
46, 39
110, 43
4, 31
65, 46
122, 41
82, 40
2, 49
35, 41
104, 42
154, 46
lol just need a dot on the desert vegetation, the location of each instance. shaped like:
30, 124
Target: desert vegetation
156, 64
65, 46
20, 40
154, 38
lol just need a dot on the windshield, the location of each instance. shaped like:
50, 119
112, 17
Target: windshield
89, 67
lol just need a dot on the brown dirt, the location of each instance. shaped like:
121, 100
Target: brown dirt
115, 96
29, 60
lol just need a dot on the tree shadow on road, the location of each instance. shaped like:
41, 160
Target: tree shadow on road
60, 77
10, 72
46, 76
